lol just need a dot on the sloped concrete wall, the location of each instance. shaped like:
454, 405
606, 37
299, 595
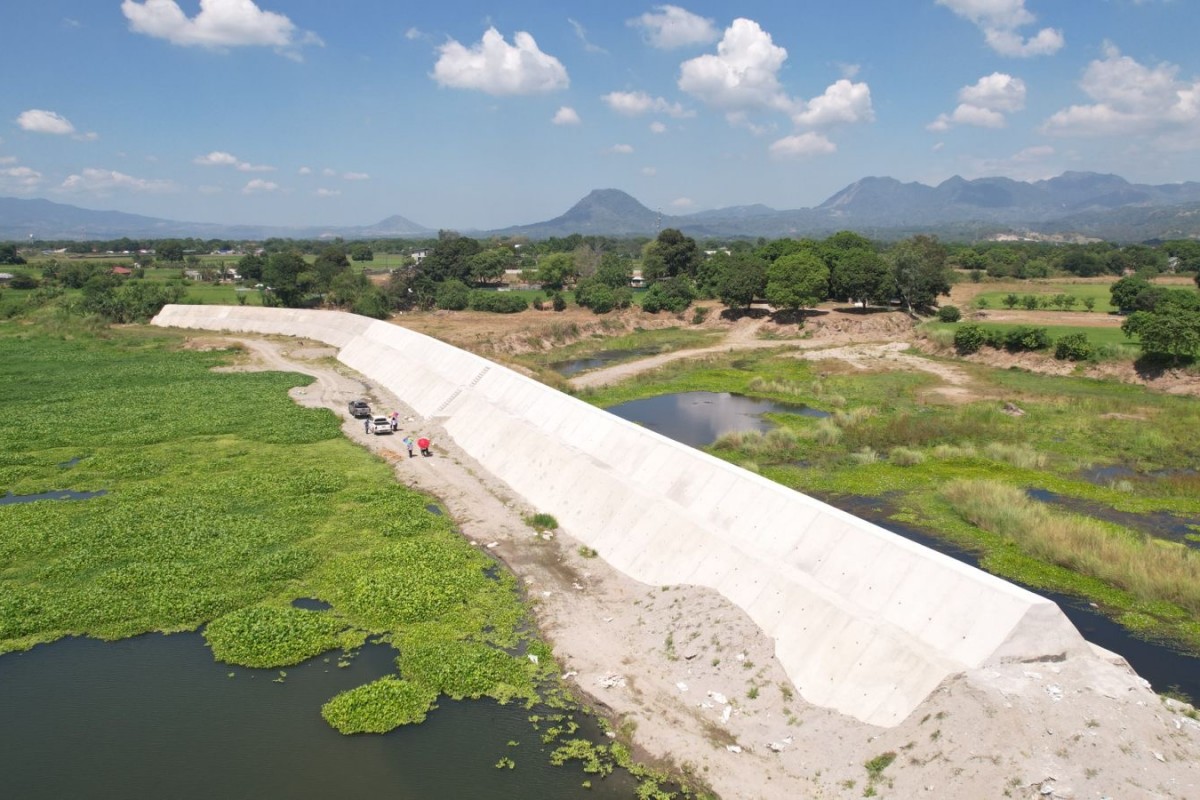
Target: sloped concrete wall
864, 621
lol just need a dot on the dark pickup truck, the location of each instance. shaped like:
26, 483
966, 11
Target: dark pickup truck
359, 408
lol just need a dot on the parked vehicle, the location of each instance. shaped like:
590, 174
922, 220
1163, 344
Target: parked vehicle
359, 409
381, 425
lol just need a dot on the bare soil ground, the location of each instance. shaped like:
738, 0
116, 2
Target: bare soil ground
695, 683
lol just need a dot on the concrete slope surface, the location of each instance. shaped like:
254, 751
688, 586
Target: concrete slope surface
864, 622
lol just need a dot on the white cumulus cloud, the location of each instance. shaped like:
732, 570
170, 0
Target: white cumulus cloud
683, 202
327, 192
649, 172
37, 120
566, 116
498, 68
102, 181
984, 103
843, 102
1131, 98
657, 127
1000, 21
621, 149
219, 24
743, 75
668, 27
259, 185
355, 176
802, 145
305, 171
634, 103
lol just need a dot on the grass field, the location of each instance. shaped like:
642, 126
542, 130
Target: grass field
1098, 292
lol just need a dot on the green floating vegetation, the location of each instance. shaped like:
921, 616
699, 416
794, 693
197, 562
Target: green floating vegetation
380, 706
274, 636
224, 500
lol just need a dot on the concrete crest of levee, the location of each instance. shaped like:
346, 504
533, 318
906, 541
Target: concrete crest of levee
864, 621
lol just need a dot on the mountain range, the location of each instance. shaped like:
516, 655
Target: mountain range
1071, 206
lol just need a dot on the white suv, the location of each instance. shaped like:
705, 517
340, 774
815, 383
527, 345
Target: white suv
381, 425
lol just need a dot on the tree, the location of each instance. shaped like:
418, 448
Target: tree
9, 255
361, 251
1172, 332
251, 266
670, 255
450, 257
489, 265
330, 263
1125, 291
920, 272
862, 276
743, 279
169, 250
795, 281
669, 294
288, 277
555, 271
1011, 300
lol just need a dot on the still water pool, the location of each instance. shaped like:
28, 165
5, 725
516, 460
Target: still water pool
155, 716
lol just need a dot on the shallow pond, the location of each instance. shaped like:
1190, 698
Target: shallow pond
155, 716
602, 359
699, 418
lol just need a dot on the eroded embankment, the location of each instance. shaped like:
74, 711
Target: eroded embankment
863, 621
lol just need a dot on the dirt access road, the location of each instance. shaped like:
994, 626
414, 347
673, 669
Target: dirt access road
695, 683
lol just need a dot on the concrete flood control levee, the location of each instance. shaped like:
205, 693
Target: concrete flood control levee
863, 621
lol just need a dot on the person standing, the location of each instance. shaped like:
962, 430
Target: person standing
423, 443
367, 425
408, 442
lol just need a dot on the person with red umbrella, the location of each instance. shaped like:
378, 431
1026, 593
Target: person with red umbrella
423, 444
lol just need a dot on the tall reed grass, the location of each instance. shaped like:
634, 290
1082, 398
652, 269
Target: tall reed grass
1151, 569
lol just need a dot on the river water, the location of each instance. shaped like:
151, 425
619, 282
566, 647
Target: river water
155, 716
699, 418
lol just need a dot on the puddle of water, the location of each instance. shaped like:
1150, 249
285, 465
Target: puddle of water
71, 463
311, 604
601, 359
1163, 667
1160, 524
434, 508
699, 418
11, 499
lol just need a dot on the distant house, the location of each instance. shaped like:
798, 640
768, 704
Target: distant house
122, 271
418, 256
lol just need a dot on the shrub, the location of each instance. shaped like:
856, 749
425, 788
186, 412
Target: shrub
671, 294
453, 295
1030, 302
949, 314
905, 456
969, 338
1073, 347
558, 302
699, 314
1026, 338
497, 302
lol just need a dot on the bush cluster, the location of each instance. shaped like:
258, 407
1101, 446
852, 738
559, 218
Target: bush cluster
497, 302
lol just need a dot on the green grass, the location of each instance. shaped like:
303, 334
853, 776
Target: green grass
1099, 292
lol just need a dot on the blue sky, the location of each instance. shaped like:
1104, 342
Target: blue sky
474, 115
